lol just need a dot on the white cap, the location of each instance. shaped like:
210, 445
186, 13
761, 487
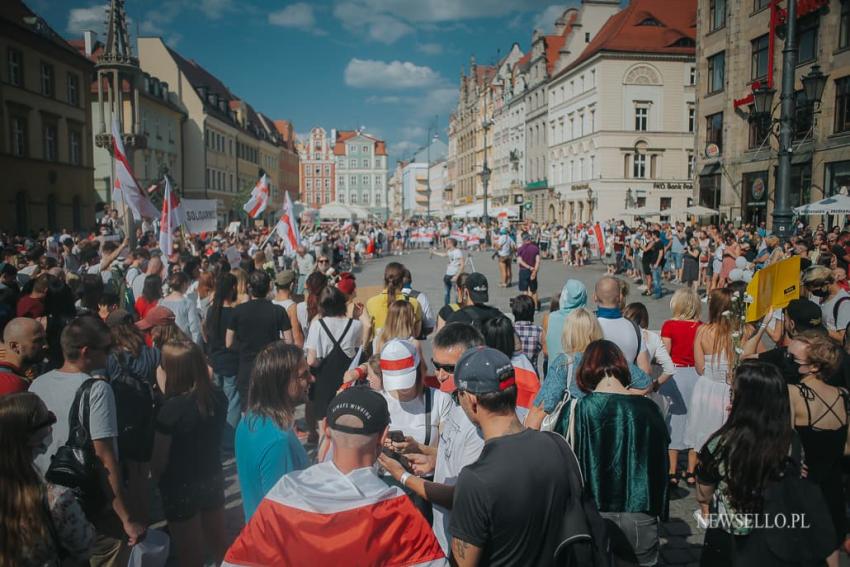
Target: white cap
399, 360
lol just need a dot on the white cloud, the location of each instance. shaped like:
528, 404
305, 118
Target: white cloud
83, 19
215, 9
367, 73
391, 99
448, 10
298, 16
413, 132
403, 149
360, 19
545, 20
430, 48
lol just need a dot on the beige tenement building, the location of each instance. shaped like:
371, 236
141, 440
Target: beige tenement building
621, 115
45, 127
736, 155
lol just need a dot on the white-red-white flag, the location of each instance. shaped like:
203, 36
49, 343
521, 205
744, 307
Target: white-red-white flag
259, 198
287, 226
172, 218
126, 188
320, 516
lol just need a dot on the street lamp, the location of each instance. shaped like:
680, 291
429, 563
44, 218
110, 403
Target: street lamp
485, 170
814, 83
590, 203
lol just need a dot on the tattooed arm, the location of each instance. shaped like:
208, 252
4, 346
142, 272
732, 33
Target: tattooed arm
464, 554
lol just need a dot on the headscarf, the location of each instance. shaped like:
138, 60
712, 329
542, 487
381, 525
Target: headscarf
573, 296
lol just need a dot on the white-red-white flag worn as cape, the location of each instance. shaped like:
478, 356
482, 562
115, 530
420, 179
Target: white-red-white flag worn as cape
259, 198
172, 218
126, 188
287, 226
320, 516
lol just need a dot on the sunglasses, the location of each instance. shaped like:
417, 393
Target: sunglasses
323, 261
447, 368
49, 420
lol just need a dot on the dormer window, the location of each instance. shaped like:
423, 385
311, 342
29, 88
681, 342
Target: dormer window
683, 42
650, 21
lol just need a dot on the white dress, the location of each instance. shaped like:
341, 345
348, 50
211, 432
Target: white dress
709, 402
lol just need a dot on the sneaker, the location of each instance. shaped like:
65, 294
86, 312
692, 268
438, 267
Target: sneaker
704, 299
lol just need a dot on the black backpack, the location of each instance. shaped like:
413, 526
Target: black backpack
583, 538
135, 405
75, 464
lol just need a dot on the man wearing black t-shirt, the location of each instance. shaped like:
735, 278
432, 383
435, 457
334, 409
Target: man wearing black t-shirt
252, 326
510, 503
475, 293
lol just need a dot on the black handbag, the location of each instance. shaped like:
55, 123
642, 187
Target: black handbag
75, 464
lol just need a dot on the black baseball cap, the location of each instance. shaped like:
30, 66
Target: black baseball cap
805, 313
365, 404
483, 370
479, 289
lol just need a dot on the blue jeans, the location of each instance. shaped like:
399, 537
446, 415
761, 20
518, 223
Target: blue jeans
234, 410
656, 281
447, 282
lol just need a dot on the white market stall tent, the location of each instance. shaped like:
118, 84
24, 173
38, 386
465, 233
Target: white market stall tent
834, 205
336, 211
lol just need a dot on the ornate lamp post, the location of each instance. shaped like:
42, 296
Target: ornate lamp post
485, 170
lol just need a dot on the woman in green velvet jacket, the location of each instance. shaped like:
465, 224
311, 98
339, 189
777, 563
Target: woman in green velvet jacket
621, 442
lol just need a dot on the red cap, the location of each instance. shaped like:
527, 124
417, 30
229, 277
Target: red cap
346, 283
157, 316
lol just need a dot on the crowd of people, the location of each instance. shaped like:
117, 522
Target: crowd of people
130, 372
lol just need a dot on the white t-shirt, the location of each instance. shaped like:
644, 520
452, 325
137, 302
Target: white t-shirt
285, 303
622, 333
461, 443
319, 341
504, 245
828, 312
455, 258
105, 275
409, 417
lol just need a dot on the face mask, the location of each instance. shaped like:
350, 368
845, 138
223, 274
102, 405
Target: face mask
822, 292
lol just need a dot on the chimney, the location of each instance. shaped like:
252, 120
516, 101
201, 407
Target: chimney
560, 25
333, 136
89, 37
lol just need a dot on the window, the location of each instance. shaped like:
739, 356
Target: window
327, 170
15, 66
666, 203
341, 198
842, 104
641, 117
714, 129
716, 14
844, 25
378, 200
231, 182
354, 164
354, 198
650, 21
760, 5
692, 165
309, 183
639, 166
75, 147
807, 37
366, 164
327, 183
47, 80
759, 130
587, 37
692, 118
18, 132
365, 180
716, 72
341, 182
760, 57
51, 145
73, 89
692, 76
803, 115
365, 149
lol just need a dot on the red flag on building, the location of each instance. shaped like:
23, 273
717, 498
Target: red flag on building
259, 198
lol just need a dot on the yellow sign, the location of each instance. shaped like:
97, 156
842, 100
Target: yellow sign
775, 285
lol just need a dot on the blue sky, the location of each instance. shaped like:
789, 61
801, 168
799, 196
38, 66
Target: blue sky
388, 65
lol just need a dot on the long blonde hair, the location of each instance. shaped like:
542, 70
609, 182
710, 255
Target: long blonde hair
401, 320
22, 513
241, 284
581, 327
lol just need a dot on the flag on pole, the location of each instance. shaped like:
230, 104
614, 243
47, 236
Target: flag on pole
320, 516
287, 226
259, 198
171, 219
126, 188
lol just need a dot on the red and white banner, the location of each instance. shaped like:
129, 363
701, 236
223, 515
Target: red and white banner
125, 187
287, 226
320, 516
259, 198
527, 382
171, 219
600, 239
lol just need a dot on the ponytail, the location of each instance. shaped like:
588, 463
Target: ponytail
393, 278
